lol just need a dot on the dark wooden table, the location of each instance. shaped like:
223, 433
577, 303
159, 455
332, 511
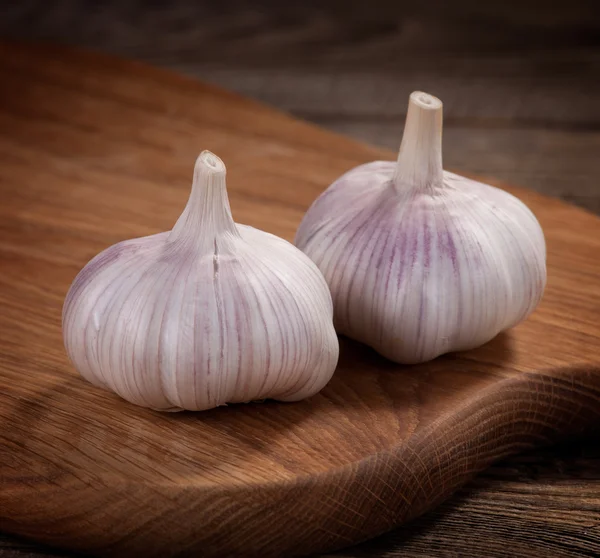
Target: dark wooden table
521, 87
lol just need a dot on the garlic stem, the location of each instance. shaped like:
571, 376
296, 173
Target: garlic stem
419, 164
207, 213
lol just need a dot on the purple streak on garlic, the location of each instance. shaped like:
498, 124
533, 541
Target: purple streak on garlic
209, 313
421, 261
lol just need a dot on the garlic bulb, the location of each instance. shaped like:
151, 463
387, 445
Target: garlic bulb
209, 313
421, 261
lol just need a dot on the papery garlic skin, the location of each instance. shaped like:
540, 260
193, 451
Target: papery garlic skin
420, 261
209, 313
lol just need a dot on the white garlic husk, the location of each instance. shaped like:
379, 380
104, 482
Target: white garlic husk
421, 261
207, 314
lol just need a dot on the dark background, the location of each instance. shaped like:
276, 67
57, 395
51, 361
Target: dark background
520, 82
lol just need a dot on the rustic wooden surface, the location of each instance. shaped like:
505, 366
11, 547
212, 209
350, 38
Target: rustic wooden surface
522, 507
520, 82
94, 150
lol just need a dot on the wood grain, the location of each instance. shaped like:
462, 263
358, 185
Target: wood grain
540, 503
543, 503
94, 150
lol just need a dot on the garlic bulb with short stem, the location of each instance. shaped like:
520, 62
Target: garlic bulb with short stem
421, 261
209, 313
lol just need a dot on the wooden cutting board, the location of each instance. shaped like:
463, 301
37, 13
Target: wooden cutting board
94, 150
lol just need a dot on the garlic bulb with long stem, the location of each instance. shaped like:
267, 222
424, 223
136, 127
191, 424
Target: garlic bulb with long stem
421, 261
209, 313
